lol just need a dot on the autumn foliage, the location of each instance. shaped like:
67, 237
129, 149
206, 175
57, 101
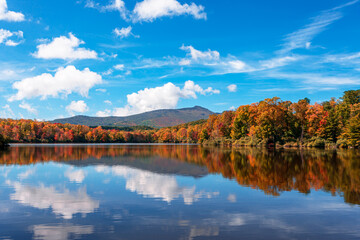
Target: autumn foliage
271, 122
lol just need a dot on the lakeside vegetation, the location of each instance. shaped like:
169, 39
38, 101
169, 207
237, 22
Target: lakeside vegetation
3, 143
271, 122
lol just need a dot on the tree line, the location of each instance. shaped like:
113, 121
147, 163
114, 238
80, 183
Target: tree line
271, 122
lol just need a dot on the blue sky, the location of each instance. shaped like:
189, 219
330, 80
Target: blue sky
122, 57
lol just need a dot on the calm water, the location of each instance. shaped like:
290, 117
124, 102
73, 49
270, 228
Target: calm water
177, 192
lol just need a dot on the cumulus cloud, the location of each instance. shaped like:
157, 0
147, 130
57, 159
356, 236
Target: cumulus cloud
61, 232
28, 107
11, 39
123, 32
164, 97
77, 106
65, 81
149, 10
65, 203
66, 48
232, 88
10, 16
105, 113
154, 185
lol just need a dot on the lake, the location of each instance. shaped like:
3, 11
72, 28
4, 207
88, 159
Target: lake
63, 192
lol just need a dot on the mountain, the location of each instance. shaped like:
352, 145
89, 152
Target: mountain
157, 118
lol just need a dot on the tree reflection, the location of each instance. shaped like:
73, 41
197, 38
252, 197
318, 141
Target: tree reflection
337, 172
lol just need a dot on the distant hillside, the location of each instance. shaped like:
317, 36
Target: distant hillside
157, 118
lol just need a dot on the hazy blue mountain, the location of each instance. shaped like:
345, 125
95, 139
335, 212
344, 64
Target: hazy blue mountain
157, 118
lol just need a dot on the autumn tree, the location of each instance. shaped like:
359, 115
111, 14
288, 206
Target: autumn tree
241, 123
299, 110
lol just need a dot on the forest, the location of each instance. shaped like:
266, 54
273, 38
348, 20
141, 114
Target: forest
271, 122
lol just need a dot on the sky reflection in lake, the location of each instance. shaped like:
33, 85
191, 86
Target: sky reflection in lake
177, 192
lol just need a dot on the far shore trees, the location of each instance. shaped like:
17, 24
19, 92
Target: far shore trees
271, 122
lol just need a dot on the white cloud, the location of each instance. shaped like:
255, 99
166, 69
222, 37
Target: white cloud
164, 97
154, 185
197, 55
64, 82
5, 36
123, 32
184, 62
10, 16
77, 106
75, 175
60, 232
279, 61
66, 48
28, 107
7, 112
302, 37
235, 65
8, 74
108, 72
232, 88
316, 79
101, 90
108, 102
190, 89
65, 203
149, 10
212, 59
348, 59
114, 5
105, 113
117, 5
119, 67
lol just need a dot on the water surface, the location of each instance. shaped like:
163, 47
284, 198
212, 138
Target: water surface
177, 192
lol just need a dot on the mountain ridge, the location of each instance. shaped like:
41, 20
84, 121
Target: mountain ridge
157, 118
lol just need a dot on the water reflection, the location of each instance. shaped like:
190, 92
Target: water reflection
65, 203
154, 185
337, 172
61, 232
177, 192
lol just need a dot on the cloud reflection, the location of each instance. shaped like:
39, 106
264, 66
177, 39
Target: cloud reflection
154, 185
60, 232
66, 203
77, 176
